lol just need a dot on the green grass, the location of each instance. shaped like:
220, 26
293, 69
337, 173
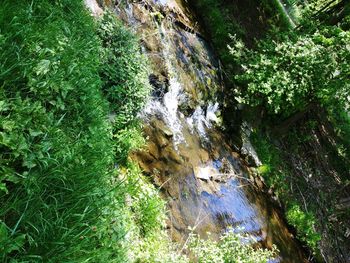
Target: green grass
56, 148
61, 199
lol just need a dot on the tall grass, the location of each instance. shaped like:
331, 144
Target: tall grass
56, 142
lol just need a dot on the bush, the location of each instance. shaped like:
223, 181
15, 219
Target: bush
125, 82
287, 75
230, 249
123, 72
305, 223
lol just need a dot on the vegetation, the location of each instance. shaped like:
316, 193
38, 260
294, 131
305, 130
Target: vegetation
221, 20
61, 198
297, 82
288, 74
70, 91
230, 249
277, 175
56, 149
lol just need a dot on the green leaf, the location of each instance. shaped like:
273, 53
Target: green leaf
3, 189
43, 67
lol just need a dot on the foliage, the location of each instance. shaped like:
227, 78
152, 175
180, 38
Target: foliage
230, 249
61, 199
123, 71
56, 148
276, 174
285, 76
125, 82
305, 223
219, 25
147, 239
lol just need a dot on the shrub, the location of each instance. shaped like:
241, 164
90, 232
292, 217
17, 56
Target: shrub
305, 223
287, 75
230, 249
123, 72
276, 174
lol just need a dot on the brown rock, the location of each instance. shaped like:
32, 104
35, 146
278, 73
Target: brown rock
153, 150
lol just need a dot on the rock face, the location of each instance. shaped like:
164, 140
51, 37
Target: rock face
95, 9
206, 183
247, 149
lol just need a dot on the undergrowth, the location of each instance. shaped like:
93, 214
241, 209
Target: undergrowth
70, 90
56, 148
277, 176
62, 200
222, 20
229, 249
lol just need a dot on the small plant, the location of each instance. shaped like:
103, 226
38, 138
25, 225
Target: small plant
229, 249
123, 71
288, 75
305, 224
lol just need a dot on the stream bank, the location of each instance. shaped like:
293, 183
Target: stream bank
207, 184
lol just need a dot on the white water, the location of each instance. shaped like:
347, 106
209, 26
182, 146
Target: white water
168, 107
199, 121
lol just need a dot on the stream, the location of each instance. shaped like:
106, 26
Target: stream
206, 183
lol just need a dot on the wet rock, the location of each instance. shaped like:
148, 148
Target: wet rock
144, 159
161, 141
171, 155
167, 132
249, 154
203, 177
174, 191
187, 105
140, 14
159, 133
160, 87
161, 130
226, 167
203, 155
204, 173
247, 150
153, 149
219, 178
95, 9
259, 182
215, 153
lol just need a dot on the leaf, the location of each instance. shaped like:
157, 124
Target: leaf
3, 189
3, 232
35, 133
3, 105
43, 67
8, 125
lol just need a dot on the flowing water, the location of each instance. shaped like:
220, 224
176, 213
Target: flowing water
207, 185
